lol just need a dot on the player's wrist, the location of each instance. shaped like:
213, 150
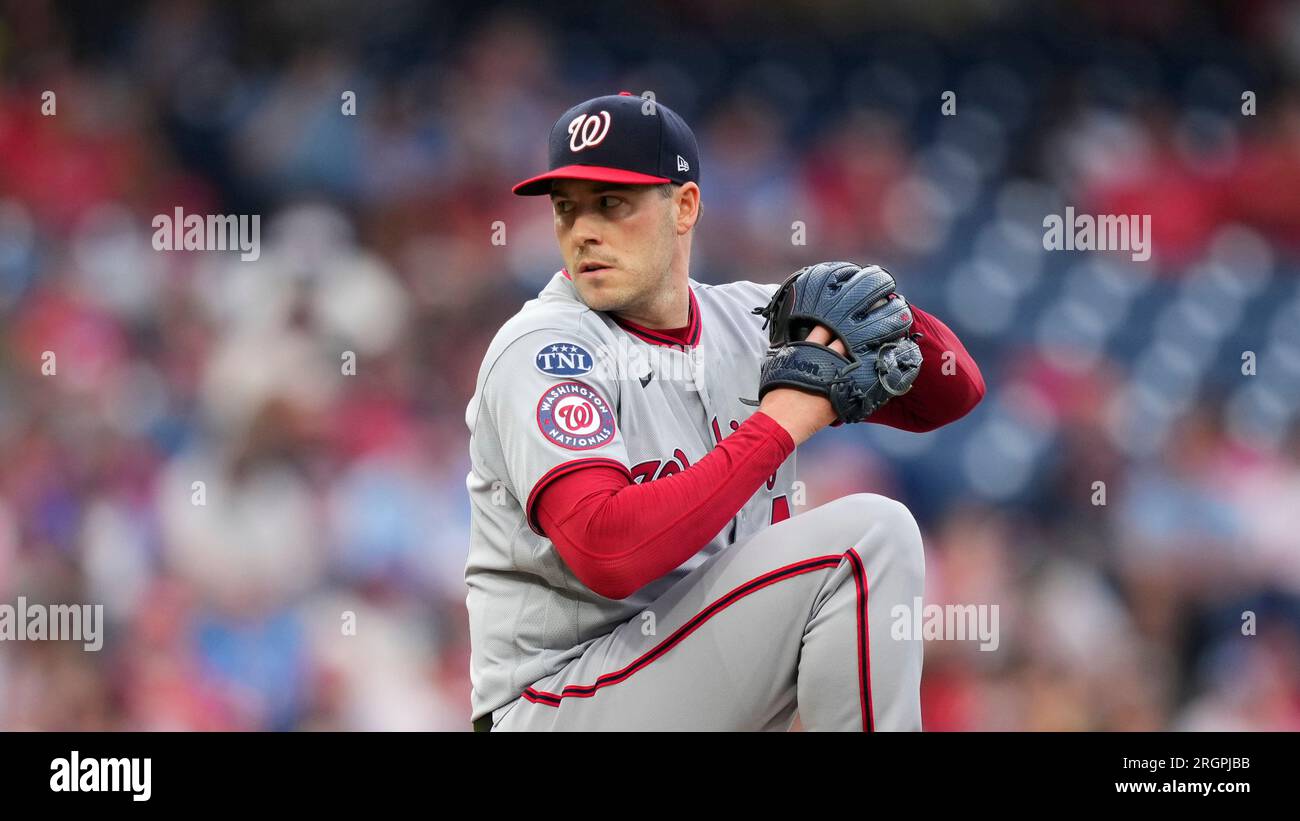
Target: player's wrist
800, 413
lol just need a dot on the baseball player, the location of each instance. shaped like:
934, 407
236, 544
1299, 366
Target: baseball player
634, 564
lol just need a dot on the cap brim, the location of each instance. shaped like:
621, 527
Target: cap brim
541, 184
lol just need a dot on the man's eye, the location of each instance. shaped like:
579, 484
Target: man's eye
609, 202
563, 207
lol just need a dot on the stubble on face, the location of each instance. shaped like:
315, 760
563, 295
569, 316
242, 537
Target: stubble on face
636, 237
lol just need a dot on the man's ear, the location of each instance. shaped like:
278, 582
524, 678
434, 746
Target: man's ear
688, 206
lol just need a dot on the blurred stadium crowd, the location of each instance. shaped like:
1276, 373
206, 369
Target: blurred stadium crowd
329, 493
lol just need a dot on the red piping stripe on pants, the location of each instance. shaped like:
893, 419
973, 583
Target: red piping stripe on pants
536, 696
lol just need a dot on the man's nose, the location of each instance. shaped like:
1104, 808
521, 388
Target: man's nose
586, 231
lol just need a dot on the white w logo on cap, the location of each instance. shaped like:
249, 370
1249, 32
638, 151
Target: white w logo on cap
586, 130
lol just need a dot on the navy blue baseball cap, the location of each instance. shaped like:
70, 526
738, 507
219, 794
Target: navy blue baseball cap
619, 138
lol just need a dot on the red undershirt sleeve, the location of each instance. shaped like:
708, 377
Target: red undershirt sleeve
940, 395
617, 536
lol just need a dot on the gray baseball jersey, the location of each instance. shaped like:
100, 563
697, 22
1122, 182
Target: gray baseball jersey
562, 386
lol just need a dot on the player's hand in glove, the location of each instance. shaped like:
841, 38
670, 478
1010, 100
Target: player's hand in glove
858, 307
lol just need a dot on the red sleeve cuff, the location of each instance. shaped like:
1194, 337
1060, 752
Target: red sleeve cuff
530, 512
772, 428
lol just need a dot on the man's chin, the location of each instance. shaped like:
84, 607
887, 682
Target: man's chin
604, 299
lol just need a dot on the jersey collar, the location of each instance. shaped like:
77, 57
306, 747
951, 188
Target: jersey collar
656, 337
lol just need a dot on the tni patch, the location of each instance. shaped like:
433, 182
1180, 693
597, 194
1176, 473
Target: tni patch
564, 359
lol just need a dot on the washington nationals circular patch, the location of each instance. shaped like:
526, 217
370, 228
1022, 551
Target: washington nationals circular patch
574, 415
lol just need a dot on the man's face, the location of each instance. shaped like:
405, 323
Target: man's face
617, 241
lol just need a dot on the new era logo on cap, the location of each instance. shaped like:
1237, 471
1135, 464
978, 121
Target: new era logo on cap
617, 138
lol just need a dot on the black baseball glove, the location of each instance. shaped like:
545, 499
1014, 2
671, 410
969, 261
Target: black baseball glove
860, 307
